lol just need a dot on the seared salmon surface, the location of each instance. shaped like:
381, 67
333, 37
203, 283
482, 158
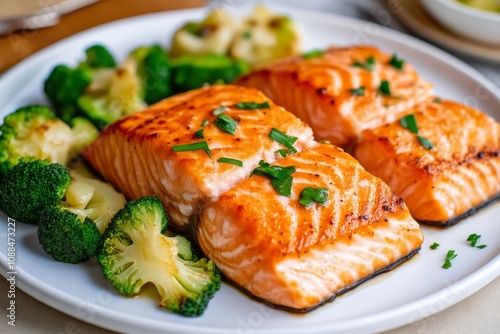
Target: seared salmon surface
449, 181
343, 91
297, 256
136, 153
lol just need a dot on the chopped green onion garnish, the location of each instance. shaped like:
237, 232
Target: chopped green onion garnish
281, 152
202, 145
199, 133
396, 62
368, 65
409, 122
205, 122
283, 139
474, 238
384, 88
219, 110
312, 54
449, 256
310, 195
425, 142
225, 123
235, 162
434, 245
252, 105
280, 177
360, 91
437, 100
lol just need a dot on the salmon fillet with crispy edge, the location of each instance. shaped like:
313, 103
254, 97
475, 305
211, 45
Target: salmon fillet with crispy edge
325, 92
448, 182
298, 257
135, 153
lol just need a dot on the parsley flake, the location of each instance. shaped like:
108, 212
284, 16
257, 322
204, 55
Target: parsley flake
205, 122
434, 245
473, 239
231, 161
252, 105
281, 152
368, 65
219, 110
247, 34
283, 139
449, 256
396, 62
199, 133
384, 88
360, 91
310, 195
409, 122
226, 123
281, 177
202, 145
313, 54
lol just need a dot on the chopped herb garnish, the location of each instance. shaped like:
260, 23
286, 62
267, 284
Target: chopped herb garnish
280, 177
437, 100
368, 65
283, 139
434, 245
310, 195
409, 122
384, 88
325, 142
252, 105
235, 162
205, 122
360, 91
449, 256
281, 152
199, 133
313, 54
425, 142
219, 110
396, 62
226, 123
247, 34
202, 145
473, 239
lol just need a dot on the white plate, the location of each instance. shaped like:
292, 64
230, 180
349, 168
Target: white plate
411, 292
413, 15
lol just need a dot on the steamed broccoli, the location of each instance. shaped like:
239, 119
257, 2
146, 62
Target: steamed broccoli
193, 72
33, 131
30, 187
134, 252
98, 57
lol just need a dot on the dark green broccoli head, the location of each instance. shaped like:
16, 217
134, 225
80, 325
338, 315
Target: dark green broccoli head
67, 238
63, 86
30, 187
98, 56
33, 131
134, 252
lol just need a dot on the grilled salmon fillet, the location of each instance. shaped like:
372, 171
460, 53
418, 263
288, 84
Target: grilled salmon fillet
445, 183
298, 257
341, 92
136, 153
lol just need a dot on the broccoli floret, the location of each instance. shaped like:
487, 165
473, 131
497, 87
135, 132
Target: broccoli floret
65, 237
134, 252
190, 72
33, 131
30, 187
63, 86
98, 56
153, 69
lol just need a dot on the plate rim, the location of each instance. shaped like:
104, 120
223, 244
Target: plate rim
487, 273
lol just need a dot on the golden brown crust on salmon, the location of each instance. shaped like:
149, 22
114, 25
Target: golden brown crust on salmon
318, 90
461, 172
135, 153
295, 256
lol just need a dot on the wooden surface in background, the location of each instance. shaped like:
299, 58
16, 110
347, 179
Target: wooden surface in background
19, 45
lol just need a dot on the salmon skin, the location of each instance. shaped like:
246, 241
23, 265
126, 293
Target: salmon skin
448, 182
339, 92
136, 153
297, 257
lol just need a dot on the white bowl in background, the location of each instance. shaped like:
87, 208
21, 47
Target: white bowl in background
474, 24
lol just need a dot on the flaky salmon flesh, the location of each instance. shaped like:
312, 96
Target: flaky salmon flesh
447, 182
343, 91
295, 256
136, 153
